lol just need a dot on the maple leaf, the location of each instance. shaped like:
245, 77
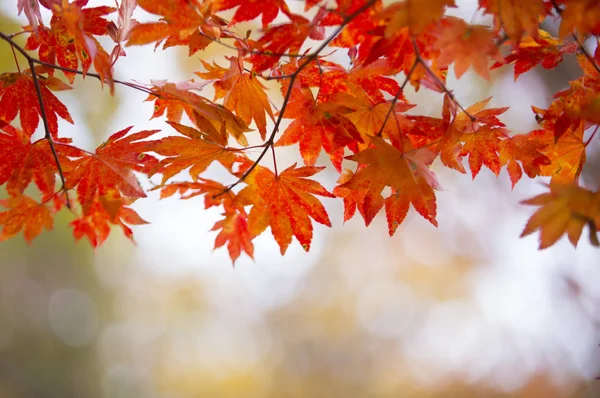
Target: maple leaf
563, 139
281, 39
317, 127
182, 23
18, 96
352, 198
331, 78
23, 162
483, 149
465, 45
286, 203
25, 214
566, 209
582, 16
383, 119
406, 173
567, 154
543, 49
515, 17
192, 150
120, 31
527, 149
242, 92
235, 233
70, 39
110, 167
233, 228
372, 79
250, 9
476, 133
364, 30
175, 99
103, 211
417, 15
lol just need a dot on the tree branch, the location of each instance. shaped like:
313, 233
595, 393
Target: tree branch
48, 135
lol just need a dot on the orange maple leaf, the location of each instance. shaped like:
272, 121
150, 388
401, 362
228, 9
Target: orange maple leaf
406, 173
567, 155
24, 214
567, 208
476, 133
483, 148
233, 228
383, 119
234, 232
316, 127
182, 23
176, 98
515, 17
582, 16
285, 202
527, 149
417, 15
465, 45
564, 143
192, 150
352, 198
242, 92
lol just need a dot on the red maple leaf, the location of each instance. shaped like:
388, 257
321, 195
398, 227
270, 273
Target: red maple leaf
250, 9
25, 214
110, 167
18, 96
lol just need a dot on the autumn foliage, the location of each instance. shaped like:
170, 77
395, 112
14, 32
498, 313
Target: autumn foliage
355, 112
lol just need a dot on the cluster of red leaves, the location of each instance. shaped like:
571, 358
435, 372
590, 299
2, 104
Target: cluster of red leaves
356, 114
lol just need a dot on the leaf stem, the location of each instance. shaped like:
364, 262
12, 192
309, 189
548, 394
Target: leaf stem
15, 57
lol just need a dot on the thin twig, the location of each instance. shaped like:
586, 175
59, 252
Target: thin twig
15, 57
40, 99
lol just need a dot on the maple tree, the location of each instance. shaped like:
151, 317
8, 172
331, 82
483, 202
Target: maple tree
356, 112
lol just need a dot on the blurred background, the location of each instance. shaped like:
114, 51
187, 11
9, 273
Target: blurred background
464, 310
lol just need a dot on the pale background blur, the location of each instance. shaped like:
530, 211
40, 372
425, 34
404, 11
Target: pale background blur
464, 310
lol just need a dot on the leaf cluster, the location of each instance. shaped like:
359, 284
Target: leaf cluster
354, 112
